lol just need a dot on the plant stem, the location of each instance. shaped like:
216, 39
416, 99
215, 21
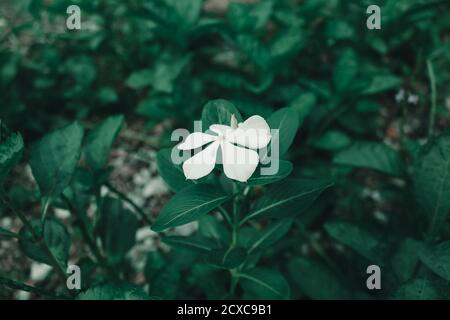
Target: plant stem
433, 97
45, 208
234, 236
85, 230
16, 285
130, 202
36, 238
225, 215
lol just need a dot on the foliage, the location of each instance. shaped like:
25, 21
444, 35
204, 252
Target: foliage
363, 175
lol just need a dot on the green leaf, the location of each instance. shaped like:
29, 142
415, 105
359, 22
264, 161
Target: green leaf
171, 173
432, 182
437, 258
211, 227
265, 238
288, 198
317, 281
55, 236
420, 288
194, 243
227, 258
244, 16
8, 234
10, 153
116, 227
99, 141
119, 291
360, 240
189, 205
371, 155
380, 83
303, 104
262, 283
219, 112
166, 283
405, 260
345, 70
286, 120
332, 141
54, 158
140, 79
285, 169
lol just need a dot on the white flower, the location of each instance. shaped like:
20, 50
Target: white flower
238, 163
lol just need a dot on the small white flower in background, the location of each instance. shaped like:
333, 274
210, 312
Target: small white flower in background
413, 99
400, 96
237, 144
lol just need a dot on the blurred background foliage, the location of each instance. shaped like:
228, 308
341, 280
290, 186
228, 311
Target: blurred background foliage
363, 97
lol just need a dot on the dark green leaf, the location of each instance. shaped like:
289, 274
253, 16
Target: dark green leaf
140, 79
285, 169
371, 155
10, 153
419, 288
332, 141
360, 240
54, 157
121, 291
195, 244
116, 227
265, 238
345, 70
262, 283
99, 141
227, 258
437, 258
189, 205
405, 260
55, 236
318, 281
432, 182
382, 83
286, 120
211, 227
171, 173
219, 112
288, 198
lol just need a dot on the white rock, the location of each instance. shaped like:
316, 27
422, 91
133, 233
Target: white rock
62, 214
155, 187
39, 271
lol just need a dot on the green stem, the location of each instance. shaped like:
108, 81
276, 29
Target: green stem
36, 237
16, 285
234, 237
85, 230
225, 215
433, 97
130, 202
45, 208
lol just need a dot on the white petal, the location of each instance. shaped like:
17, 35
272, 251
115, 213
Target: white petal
221, 129
252, 133
196, 140
238, 163
202, 163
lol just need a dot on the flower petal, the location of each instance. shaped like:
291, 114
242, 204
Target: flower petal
253, 133
202, 163
238, 163
221, 129
196, 140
